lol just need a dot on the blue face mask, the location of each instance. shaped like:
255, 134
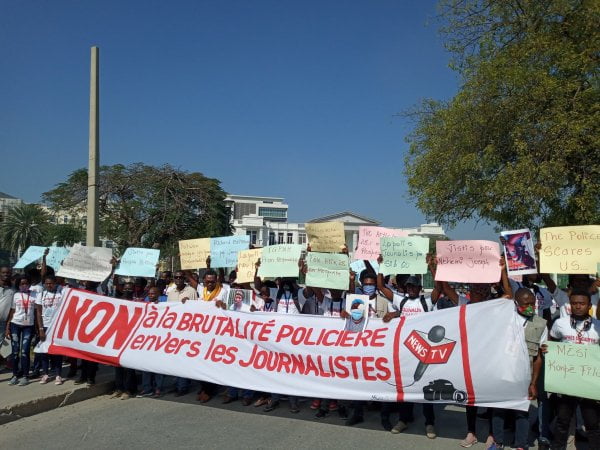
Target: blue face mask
368, 289
357, 314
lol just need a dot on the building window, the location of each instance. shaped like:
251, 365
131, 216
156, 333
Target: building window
290, 238
302, 238
271, 238
65, 219
280, 238
275, 213
253, 234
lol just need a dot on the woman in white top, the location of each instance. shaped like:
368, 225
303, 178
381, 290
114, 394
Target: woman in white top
20, 330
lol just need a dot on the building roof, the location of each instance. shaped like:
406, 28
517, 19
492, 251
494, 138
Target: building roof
4, 195
252, 197
345, 215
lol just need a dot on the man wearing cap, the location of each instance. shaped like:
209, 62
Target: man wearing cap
410, 304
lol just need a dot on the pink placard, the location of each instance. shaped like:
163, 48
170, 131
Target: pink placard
468, 261
368, 241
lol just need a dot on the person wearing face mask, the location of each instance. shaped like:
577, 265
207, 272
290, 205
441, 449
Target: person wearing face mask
535, 333
20, 329
577, 328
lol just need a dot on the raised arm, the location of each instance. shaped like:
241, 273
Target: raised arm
449, 292
385, 291
508, 293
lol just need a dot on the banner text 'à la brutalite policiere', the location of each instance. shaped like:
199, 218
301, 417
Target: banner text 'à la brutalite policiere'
464, 355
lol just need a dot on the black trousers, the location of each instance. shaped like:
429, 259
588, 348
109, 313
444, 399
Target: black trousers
590, 410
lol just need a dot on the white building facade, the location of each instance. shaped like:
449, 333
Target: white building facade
264, 219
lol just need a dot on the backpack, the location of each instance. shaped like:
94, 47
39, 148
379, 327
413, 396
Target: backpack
405, 299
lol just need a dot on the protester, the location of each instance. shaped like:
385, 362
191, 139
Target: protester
580, 328
20, 330
6, 298
125, 379
47, 305
152, 383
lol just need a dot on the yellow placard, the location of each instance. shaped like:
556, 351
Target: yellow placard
193, 253
246, 265
326, 236
574, 249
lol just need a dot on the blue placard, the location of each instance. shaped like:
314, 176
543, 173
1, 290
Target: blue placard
55, 256
224, 250
138, 262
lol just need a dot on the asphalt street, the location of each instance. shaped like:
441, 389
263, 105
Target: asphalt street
171, 422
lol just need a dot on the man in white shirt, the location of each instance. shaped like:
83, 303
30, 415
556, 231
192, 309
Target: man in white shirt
182, 291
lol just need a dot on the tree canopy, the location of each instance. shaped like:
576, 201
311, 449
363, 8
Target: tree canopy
23, 226
147, 206
519, 143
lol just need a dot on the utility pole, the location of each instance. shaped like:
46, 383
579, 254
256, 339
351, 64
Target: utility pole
94, 151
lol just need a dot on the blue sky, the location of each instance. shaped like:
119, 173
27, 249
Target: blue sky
277, 98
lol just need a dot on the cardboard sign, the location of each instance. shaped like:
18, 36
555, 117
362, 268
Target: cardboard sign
280, 260
326, 236
247, 260
193, 253
519, 252
570, 249
404, 255
573, 369
54, 259
224, 250
87, 263
327, 270
138, 262
369, 240
468, 261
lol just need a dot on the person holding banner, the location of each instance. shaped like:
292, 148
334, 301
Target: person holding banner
6, 297
46, 307
20, 330
152, 383
536, 333
577, 328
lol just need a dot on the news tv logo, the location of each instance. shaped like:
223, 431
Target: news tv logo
432, 347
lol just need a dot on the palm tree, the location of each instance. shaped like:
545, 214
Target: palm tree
23, 226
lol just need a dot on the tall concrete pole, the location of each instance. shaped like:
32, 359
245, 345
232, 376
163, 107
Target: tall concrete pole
94, 156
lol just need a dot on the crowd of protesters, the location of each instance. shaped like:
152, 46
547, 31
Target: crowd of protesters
28, 302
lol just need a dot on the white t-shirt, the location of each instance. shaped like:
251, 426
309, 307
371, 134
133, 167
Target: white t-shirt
50, 302
261, 305
562, 299
411, 307
563, 330
286, 304
24, 305
330, 308
222, 295
543, 297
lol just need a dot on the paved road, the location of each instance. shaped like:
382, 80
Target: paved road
183, 423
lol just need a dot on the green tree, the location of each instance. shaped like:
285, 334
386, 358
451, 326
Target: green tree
518, 144
64, 235
147, 206
23, 226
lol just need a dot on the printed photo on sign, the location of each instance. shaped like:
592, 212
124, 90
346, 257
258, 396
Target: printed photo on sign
239, 300
519, 252
358, 308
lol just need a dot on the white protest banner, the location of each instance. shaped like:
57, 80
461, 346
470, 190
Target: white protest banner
138, 262
86, 263
447, 356
369, 241
519, 253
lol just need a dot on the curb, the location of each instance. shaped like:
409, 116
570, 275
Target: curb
44, 404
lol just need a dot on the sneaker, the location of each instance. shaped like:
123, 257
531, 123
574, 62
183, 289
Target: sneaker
90, 382
342, 413
316, 404
44, 379
399, 427
354, 419
13, 381
58, 380
144, 394
333, 405
125, 396
116, 394
79, 381
430, 432
386, 424
469, 441
294, 407
23, 381
156, 394
261, 401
